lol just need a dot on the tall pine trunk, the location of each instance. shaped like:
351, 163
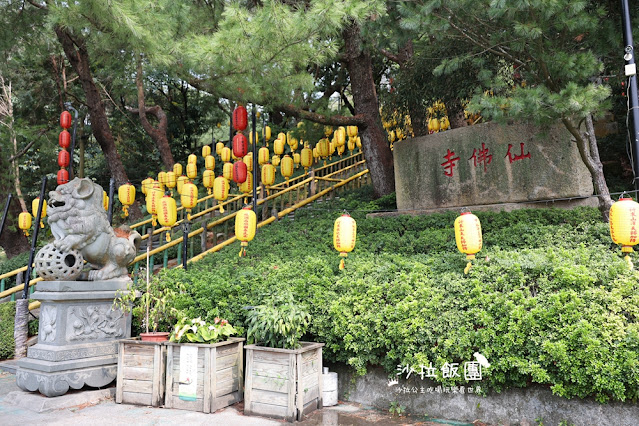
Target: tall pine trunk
377, 153
76, 52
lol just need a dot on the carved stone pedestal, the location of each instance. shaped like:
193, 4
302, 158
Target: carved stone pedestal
77, 337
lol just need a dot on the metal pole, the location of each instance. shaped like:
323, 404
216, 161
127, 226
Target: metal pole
75, 125
186, 226
111, 193
34, 240
253, 120
631, 73
4, 215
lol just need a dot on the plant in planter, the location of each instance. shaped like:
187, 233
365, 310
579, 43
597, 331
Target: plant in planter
204, 366
283, 374
142, 364
153, 307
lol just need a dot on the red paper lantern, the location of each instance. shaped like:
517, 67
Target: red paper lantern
64, 140
65, 119
63, 158
240, 145
63, 176
240, 118
239, 172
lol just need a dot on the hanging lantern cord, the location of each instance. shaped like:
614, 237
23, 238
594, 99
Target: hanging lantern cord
243, 249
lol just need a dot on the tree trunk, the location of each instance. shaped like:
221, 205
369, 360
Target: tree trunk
78, 56
587, 145
377, 153
158, 134
456, 115
12, 239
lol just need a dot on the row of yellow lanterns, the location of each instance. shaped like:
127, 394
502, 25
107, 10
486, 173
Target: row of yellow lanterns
623, 223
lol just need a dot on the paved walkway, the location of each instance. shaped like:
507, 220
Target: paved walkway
97, 407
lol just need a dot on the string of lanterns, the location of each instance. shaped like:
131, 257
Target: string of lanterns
64, 140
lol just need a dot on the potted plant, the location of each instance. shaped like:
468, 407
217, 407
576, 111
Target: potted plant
142, 361
283, 374
204, 369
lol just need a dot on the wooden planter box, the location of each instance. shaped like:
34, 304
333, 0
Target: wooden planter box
220, 368
283, 383
140, 378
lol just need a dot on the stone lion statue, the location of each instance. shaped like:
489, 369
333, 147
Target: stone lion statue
78, 222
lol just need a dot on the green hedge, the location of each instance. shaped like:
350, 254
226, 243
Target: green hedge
7, 317
549, 299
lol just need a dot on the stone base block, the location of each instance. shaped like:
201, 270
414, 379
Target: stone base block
59, 383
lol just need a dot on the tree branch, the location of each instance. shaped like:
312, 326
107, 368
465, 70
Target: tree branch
334, 120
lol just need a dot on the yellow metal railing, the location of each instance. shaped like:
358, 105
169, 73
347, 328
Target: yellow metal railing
288, 196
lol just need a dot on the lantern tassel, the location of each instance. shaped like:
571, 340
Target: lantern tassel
341, 264
126, 210
628, 261
468, 266
41, 224
154, 221
168, 237
221, 209
26, 233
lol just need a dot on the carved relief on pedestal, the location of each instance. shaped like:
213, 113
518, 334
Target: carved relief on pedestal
94, 322
47, 323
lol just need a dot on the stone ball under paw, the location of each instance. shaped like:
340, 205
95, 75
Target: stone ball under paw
53, 264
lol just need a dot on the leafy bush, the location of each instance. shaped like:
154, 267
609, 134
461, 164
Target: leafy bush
549, 299
7, 317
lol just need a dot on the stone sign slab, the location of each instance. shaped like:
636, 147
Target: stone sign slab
488, 164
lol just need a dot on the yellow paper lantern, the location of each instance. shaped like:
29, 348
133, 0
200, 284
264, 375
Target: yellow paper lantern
206, 151
323, 148
275, 160
191, 170
287, 166
328, 130
358, 142
126, 195
209, 162
315, 153
306, 158
468, 236
162, 179
296, 159
294, 145
167, 214
624, 225
268, 174
218, 148
351, 131
105, 200
180, 183
267, 133
282, 136
263, 156
24, 222
191, 160
257, 136
208, 177
188, 197
351, 144
278, 146
171, 180
227, 171
247, 186
153, 197
221, 190
340, 136
248, 160
148, 183
245, 225
344, 236
341, 149
177, 169
226, 154
34, 209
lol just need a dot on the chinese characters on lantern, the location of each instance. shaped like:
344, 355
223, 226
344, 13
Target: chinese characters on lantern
481, 158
